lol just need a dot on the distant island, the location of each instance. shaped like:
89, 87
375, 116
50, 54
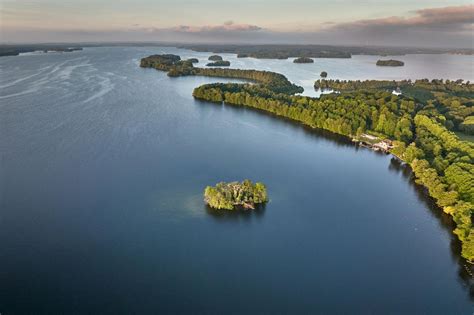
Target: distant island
219, 63
390, 63
15, 50
282, 51
215, 58
234, 195
303, 60
273, 51
62, 49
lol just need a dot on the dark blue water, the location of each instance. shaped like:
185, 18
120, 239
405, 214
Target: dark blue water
103, 165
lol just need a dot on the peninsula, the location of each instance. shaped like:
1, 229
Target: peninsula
234, 195
264, 79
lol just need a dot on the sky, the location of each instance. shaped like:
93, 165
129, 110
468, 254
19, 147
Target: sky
423, 23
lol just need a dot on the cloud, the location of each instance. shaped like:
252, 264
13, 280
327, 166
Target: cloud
430, 27
447, 19
228, 26
449, 27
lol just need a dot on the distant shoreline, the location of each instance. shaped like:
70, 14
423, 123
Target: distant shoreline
261, 51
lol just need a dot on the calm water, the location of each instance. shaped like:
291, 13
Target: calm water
103, 165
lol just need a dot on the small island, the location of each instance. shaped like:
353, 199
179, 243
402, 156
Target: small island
390, 63
193, 60
235, 195
61, 49
303, 60
215, 58
323, 74
219, 63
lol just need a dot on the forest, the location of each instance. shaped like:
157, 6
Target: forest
452, 99
232, 195
418, 121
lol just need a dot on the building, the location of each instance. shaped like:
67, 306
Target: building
384, 145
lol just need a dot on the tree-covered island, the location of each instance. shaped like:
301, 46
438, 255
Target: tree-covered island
390, 63
215, 58
234, 195
219, 63
417, 123
161, 62
303, 60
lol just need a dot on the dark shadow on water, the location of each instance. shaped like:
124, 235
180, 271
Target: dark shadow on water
445, 222
317, 133
237, 214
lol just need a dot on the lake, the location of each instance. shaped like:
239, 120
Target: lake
103, 167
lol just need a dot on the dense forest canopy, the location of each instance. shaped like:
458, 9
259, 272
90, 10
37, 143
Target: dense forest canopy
231, 196
418, 121
451, 99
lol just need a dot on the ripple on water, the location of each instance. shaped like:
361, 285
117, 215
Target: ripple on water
105, 85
